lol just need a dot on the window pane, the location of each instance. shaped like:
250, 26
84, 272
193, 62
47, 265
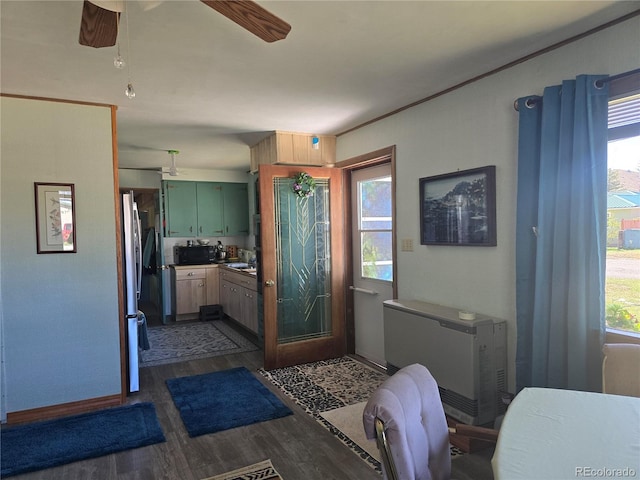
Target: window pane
377, 223
375, 204
622, 290
377, 255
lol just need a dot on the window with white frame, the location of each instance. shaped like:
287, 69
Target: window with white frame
622, 287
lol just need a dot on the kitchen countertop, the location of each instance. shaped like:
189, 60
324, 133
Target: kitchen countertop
244, 270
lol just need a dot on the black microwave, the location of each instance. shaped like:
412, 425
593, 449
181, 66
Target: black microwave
196, 255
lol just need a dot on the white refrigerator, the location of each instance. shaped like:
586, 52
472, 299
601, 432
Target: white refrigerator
132, 253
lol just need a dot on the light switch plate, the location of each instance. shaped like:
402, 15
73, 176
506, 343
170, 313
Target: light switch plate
407, 245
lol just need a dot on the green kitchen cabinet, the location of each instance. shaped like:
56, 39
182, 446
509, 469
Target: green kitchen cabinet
209, 200
180, 211
236, 209
206, 209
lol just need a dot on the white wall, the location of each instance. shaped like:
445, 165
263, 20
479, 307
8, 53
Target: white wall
473, 127
213, 175
139, 179
59, 311
130, 178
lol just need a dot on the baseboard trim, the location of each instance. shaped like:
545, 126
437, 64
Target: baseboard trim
63, 409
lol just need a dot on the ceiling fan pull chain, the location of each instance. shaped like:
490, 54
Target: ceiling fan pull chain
129, 92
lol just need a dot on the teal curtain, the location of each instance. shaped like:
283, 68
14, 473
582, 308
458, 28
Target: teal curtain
561, 235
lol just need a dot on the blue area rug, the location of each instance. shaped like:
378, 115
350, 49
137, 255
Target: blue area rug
35, 446
218, 401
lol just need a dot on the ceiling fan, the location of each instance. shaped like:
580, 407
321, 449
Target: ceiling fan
99, 25
172, 170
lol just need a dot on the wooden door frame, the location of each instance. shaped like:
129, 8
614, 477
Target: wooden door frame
377, 157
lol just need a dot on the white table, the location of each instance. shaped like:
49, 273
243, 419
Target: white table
560, 434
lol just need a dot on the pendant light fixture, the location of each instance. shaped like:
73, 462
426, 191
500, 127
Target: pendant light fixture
129, 92
118, 61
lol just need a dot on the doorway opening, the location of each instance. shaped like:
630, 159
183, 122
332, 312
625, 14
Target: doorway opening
151, 292
371, 276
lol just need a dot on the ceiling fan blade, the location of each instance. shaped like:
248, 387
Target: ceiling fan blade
159, 170
148, 169
98, 27
252, 17
111, 5
149, 4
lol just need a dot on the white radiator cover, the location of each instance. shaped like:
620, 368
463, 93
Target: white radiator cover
468, 358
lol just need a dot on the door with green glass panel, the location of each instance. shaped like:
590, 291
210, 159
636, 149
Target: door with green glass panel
302, 266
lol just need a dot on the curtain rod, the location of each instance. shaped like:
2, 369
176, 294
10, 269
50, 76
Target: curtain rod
598, 83
602, 81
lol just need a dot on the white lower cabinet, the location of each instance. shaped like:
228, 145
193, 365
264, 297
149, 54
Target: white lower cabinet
239, 298
193, 287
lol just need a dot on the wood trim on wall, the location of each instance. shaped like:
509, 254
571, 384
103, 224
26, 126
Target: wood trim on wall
63, 409
61, 100
124, 357
618, 336
368, 159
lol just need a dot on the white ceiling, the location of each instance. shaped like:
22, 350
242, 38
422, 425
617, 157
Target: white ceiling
210, 89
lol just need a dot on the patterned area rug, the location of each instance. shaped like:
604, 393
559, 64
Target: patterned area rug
192, 341
259, 471
324, 388
319, 387
349, 421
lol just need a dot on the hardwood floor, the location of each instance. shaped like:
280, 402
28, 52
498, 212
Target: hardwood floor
299, 447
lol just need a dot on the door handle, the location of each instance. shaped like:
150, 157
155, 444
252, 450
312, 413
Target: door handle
269, 283
362, 290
